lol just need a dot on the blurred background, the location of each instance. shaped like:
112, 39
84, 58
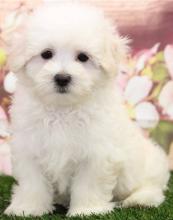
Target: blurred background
145, 81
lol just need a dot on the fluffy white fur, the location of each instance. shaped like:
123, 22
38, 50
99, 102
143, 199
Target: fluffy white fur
78, 149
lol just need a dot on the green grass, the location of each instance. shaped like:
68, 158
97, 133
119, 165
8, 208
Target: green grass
164, 212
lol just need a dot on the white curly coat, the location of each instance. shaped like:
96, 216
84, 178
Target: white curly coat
79, 149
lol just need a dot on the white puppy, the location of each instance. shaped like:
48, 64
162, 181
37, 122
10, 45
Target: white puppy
73, 142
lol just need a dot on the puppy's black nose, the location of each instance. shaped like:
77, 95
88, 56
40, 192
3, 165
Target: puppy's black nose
62, 80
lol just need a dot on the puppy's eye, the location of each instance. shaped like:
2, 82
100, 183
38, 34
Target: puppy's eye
47, 54
82, 57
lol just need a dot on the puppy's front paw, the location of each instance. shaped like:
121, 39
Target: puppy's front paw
91, 210
27, 210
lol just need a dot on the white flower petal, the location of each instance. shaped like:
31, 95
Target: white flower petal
166, 99
168, 55
166, 95
137, 89
15, 19
169, 111
10, 20
10, 82
146, 115
140, 64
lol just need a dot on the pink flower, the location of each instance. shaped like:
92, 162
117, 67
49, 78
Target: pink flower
5, 159
2, 114
4, 125
5, 162
144, 57
122, 80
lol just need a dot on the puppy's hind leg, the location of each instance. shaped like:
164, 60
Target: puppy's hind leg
151, 196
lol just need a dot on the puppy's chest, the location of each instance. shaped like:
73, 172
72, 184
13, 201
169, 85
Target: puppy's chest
67, 125
64, 134
64, 139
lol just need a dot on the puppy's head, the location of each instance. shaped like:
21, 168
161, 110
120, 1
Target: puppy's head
66, 52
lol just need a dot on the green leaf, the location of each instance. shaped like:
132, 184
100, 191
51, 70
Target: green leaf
160, 56
157, 89
147, 71
3, 57
160, 72
163, 134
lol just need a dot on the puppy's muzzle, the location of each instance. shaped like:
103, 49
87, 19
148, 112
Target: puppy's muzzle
62, 81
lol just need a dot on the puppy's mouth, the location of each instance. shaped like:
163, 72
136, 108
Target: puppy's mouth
62, 90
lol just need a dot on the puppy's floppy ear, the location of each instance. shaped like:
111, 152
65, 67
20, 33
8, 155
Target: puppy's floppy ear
15, 45
115, 51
